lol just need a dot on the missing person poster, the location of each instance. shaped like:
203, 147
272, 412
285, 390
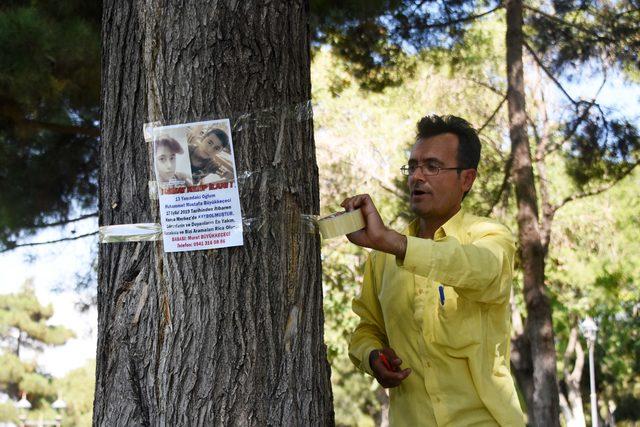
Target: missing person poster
197, 185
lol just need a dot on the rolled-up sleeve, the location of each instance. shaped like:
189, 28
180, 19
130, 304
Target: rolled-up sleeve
480, 270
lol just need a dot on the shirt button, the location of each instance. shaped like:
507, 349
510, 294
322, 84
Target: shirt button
437, 399
428, 364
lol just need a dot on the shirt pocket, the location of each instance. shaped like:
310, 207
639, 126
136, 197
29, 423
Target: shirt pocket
457, 322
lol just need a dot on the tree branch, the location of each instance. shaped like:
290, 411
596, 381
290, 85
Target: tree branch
492, 115
503, 186
626, 12
547, 72
583, 116
494, 145
545, 200
66, 239
569, 24
556, 145
598, 190
463, 19
68, 221
576, 374
12, 110
487, 86
385, 187
571, 348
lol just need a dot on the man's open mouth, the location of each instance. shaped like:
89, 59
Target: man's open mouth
417, 192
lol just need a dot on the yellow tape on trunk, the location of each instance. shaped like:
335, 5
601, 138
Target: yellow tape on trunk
340, 223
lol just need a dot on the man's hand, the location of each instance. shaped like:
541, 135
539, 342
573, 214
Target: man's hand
375, 234
386, 367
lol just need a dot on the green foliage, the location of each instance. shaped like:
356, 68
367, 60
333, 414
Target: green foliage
376, 38
570, 32
13, 369
601, 150
49, 95
8, 412
77, 389
36, 384
22, 315
23, 321
23, 324
594, 270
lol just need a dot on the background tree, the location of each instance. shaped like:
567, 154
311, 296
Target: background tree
592, 271
221, 336
49, 111
23, 328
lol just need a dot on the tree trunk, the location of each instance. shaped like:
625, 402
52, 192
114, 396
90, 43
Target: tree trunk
219, 337
571, 404
521, 363
539, 328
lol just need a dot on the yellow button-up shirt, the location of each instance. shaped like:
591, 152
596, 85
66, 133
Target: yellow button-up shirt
457, 346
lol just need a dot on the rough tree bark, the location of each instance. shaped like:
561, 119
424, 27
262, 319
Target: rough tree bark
220, 337
539, 327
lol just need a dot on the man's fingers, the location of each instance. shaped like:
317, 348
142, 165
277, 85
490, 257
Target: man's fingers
392, 357
388, 374
355, 202
405, 373
393, 379
397, 376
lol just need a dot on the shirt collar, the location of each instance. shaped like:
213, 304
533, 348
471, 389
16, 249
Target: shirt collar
448, 228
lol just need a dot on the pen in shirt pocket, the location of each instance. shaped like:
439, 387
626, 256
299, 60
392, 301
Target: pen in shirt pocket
441, 292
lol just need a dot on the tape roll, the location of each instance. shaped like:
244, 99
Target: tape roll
341, 223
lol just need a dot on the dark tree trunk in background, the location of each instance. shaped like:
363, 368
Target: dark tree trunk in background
538, 329
220, 337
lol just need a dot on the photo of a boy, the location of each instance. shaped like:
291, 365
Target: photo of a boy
210, 155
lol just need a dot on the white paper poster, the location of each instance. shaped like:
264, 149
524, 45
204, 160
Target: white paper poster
197, 186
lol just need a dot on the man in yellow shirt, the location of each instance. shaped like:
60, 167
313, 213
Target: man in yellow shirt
434, 305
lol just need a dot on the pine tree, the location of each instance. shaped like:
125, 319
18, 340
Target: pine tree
23, 326
49, 92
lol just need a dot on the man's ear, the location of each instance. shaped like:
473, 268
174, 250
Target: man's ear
468, 176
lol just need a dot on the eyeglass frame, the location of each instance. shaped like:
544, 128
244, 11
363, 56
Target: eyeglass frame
406, 169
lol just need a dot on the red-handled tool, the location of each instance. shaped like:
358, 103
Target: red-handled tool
385, 361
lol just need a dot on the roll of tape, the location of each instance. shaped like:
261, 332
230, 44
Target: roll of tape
340, 223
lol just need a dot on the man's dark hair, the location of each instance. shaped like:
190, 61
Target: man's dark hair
469, 143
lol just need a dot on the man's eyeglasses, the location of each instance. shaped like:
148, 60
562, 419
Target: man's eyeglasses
427, 169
